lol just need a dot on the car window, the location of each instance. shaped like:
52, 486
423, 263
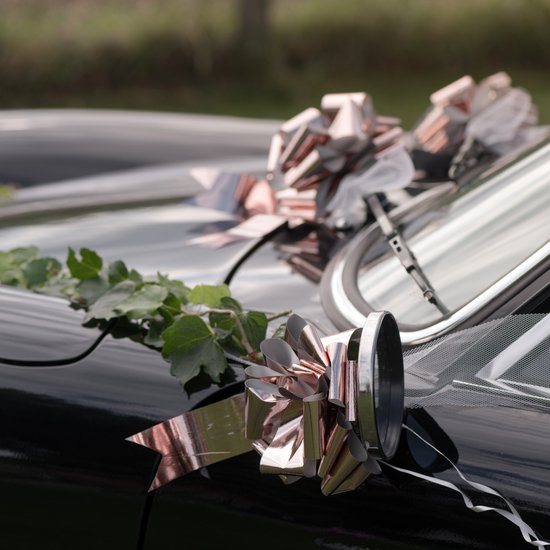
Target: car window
464, 247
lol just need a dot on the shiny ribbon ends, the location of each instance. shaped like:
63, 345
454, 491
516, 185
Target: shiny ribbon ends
307, 411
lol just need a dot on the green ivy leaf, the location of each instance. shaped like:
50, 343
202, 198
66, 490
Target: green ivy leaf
255, 326
87, 267
154, 334
118, 272
189, 345
135, 277
175, 287
24, 254
209, 295
90, 290
10, 272
12, 277
61, 286
7, 261
144, 301
106, 306
171, 306
227, 302
223, 324
39, 270
7, 192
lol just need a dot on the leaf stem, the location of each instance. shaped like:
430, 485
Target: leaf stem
244, 338
234, 315
285, 313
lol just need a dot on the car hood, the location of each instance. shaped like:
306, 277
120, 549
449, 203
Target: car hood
42, 330
126, 188
147, 239
160, 238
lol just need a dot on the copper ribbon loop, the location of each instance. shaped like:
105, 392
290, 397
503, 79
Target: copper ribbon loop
306, 411
320, 149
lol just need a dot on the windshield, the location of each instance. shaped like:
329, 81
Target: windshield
463, 248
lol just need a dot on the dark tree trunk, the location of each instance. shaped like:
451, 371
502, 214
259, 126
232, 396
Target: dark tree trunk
254, 28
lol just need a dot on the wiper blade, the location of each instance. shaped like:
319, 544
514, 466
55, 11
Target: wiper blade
400, 249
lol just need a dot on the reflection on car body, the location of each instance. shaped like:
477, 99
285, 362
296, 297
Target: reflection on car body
53, 145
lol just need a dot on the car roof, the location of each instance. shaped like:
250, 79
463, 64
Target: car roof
38, 146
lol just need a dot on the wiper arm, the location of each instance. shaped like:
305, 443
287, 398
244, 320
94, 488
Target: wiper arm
402, 252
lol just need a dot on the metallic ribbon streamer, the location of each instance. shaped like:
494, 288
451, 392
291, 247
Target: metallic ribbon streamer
216, 432
337, 353
196, 439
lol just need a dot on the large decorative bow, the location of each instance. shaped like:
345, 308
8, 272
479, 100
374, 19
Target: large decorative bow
321, 164
300, 409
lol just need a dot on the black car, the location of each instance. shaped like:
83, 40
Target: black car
73, 394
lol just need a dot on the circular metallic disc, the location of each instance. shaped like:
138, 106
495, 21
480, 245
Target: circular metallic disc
380, 385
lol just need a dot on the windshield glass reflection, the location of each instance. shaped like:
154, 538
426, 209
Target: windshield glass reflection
473, 241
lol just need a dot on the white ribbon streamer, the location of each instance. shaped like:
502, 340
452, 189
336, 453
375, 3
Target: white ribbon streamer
501, 124
393, 170
511, 514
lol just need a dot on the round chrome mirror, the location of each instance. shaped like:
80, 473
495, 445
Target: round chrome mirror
376, 349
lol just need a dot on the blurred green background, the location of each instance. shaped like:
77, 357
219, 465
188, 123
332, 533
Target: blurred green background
266, 58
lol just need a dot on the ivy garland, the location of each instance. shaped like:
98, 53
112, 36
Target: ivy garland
193, 327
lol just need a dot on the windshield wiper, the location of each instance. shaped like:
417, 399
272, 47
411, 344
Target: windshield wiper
402, 252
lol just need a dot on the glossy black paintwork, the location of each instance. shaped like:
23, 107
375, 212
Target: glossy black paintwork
268, 283
56, 330
505, 448
68, 476
147, 239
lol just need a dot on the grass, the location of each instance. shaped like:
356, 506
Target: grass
403, 95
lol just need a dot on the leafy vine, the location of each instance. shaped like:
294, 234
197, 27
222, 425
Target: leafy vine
193, 327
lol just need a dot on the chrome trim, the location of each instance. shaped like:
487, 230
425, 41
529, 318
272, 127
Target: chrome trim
410, 338
141, 186
380, 377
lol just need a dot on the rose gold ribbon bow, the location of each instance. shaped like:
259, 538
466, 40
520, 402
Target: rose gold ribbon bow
319, 167
300, 410
344, 135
